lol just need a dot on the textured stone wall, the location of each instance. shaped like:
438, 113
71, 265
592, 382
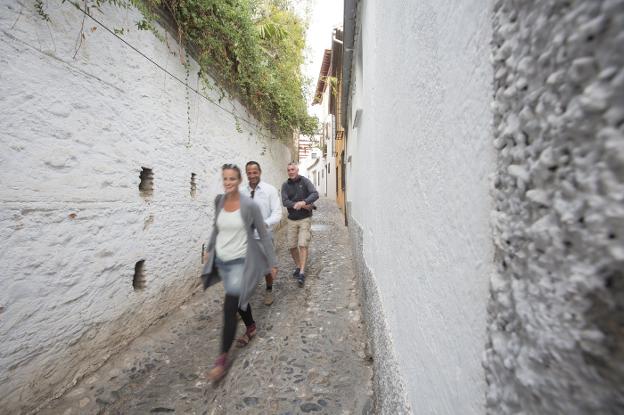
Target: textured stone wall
77, 126
556, 312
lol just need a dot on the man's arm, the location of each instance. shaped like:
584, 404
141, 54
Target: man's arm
312, 193
285, 200
276, 208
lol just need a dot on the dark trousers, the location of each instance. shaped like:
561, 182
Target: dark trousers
230, 308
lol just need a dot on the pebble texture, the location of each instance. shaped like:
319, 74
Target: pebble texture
80, 117
309, 355
556, 311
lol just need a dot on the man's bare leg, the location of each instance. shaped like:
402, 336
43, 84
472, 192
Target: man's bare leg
294, 252
268, 295
303, 254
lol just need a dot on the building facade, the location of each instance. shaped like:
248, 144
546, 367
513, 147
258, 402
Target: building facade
483, 187
329, 140
325, 89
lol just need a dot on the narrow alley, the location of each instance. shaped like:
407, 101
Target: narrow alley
474, 149
309, 356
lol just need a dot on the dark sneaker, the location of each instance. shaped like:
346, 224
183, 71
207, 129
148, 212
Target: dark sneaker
301, 280
296, 273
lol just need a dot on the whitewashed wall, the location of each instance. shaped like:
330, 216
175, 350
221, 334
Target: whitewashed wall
74, 134
312, 168
329, 181
418, 185
418, 196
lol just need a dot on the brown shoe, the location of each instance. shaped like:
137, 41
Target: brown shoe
244, 340
219, 369
268, 297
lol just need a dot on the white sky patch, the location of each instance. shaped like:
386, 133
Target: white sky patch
322, 16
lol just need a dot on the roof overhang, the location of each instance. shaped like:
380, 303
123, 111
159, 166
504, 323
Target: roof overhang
321, 84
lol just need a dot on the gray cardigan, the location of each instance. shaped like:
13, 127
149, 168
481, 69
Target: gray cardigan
260, 256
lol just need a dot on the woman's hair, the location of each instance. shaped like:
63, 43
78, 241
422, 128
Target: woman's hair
230, 166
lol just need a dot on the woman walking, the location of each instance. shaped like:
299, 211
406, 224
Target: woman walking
240, 260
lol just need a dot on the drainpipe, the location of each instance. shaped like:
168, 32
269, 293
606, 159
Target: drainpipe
350, 8
333, 118
350, 11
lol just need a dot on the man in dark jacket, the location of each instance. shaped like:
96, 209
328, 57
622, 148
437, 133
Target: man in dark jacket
298, 196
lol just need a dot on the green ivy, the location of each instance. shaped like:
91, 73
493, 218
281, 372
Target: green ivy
256, 48
40, 9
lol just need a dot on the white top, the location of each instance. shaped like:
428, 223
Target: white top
232, 238
268, 200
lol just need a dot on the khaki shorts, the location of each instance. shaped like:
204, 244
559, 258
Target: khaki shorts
299, 233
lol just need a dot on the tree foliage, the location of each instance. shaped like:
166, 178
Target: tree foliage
255, 46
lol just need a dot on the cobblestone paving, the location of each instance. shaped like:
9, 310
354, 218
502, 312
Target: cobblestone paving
309, 355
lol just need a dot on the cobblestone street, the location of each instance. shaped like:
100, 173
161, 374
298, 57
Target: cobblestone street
309, 355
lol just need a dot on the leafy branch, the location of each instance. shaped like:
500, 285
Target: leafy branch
255, 48
39, 8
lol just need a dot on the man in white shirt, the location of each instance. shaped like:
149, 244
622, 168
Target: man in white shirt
268, 200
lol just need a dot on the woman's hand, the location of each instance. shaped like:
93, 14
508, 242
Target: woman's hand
274, 272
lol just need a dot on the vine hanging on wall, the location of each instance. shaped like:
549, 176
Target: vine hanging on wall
187, 66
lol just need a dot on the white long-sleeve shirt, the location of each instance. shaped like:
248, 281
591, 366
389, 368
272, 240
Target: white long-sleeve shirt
268, 200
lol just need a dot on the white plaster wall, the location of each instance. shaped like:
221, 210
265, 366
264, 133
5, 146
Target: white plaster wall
330, 160
557, 310
330, 163
306, 163
418, 187
74, 134
310, 167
